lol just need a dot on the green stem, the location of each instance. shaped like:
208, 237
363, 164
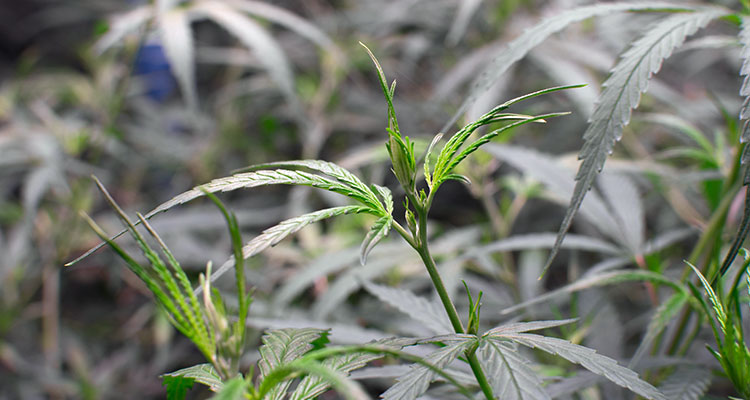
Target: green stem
419, 243
476, 367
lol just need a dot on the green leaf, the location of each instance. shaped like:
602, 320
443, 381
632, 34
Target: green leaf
313, 385
743, 229
177, 386
234, 389
417, 380
531, 38
277, 233
586, 357
377, 232
201, 373
508, 373
328, 168
721, 315
430, 314
621, 94
281, 347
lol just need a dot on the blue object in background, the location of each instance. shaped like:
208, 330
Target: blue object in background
152, 66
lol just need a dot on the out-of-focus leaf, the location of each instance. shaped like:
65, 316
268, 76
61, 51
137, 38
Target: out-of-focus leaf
687, 383
621, 94
201, 373
420, 309
174, 27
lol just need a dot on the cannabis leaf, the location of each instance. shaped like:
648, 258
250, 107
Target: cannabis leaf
377, 232
416, 382
201, 373
584, 356
283, 346
687, 383
509, 374
621, 94
532, 37
420, 309
744, 227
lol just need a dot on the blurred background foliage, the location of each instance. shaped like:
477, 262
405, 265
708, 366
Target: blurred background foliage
154, 98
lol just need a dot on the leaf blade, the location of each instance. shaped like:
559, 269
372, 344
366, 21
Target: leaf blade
621, 94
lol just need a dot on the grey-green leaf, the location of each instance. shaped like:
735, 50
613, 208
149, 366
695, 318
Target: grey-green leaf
377, 232
621, 94
416, 382
420, 309
283, 346
687, 383
174, 27
663, 315
589, 359
519, 47
508, 373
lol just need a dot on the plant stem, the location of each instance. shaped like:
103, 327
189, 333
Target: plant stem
419, 242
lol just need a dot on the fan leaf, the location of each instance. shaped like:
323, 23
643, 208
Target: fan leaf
621, 94
281, 347
687, 383
420, 309
532, 37
377, 232
416, 382
509, 374
586, 357
201, 373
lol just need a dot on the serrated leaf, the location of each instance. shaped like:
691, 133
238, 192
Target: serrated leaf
313, 385
234, 389
621, 94
177, 38
532, 37
272, 177
508, 373
201, 373
416, 382
277, 233
281, 347
663, 315
521, 327
177, 386
587, 358
377, 232
328, 168
687, 383
420, 309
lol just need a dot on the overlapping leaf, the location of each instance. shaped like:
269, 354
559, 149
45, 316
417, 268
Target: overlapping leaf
283, 346
621, 94
532, 37
416, 382
420, 309
201, 373
586, 357
509, 374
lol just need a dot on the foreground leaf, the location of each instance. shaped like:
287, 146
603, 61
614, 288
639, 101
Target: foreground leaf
377, 232
587, 358
201, 373
416, 382
281, 347
621, 94
177, 386
509, 374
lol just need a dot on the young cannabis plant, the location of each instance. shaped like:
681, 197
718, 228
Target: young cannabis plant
498, 369
725, 317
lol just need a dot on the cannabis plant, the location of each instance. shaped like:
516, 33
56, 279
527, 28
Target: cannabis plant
496, 365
